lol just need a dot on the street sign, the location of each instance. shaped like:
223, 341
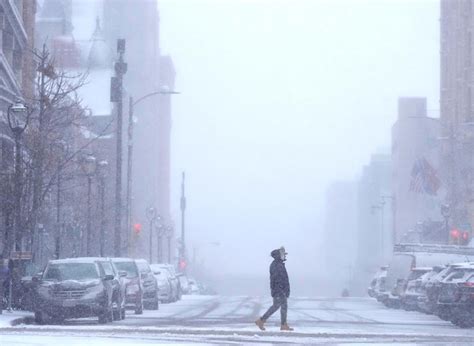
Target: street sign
23, 255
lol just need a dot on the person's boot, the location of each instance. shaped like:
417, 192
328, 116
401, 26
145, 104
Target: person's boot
285, 326
260, 324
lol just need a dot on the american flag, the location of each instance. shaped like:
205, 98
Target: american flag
424, 178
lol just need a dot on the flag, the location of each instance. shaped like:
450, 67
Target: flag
424, 178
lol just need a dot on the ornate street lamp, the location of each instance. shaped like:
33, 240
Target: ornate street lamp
18, 121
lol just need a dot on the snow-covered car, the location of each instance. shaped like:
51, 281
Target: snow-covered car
162, 277
429, 302
149, 284
175, 285
456, 296
377, 285
75, 288
184, 283
193, 286
409, 297
133, 285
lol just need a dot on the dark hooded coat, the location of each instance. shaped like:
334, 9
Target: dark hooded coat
279, 282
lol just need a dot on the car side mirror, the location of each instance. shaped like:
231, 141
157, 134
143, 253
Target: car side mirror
144, 275
109, 277
122, 273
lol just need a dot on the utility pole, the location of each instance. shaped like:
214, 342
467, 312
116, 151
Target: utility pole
116, 95
183, 231
129, 169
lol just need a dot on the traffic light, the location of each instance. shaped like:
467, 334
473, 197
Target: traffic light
137, 228
454, 236
465, 238
182, 264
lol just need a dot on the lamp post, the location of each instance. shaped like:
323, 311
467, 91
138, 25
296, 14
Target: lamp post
182, 257
89, 166
169, 233
116, 96
102, 174
18, 121
131, 111
152, 216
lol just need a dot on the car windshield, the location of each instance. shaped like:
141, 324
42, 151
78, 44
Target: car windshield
71, 271
143, 267
415, 274
128, 267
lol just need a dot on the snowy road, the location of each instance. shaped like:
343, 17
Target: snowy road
229, 320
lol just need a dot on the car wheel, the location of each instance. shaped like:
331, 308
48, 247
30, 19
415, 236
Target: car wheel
117, 314
106, 315
155, 305
41, 317
139, 309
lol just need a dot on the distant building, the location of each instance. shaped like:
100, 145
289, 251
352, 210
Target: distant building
137, 21
340, 231
416, 184
374, 217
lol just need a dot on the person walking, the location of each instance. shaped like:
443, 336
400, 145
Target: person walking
280, 289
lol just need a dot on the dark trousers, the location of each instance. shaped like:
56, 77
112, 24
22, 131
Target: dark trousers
278, 302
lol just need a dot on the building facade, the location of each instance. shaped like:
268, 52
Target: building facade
457, 117
17, 71
374, 218
416, 185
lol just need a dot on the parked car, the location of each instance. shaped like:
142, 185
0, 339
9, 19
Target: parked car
429, 302
408, 256
411, 293
175, 285
75, 288
132, 282
193, 286
183, 283
377, 285
163, 277
149, 284
456, 296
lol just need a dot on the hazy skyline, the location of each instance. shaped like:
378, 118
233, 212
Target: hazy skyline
279, 99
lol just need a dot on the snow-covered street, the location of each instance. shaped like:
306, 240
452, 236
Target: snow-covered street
208, 319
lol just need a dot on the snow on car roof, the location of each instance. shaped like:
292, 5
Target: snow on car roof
422, 269
78, 260
141, 260
122, 259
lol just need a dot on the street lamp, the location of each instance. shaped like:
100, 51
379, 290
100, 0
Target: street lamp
152, 215
18, 121
89, 167
102, 167
169, 234
164, 90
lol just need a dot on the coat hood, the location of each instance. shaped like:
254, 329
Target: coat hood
276, 254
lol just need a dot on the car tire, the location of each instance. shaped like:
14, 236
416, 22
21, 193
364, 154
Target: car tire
139, 309
106, 315
116, 312
41, 317
155, 305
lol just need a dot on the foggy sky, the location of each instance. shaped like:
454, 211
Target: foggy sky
278, 99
